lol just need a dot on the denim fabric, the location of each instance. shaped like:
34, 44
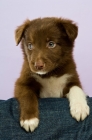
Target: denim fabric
56, 122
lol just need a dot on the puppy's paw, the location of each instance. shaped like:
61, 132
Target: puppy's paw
79, 110
30, 125
78, 103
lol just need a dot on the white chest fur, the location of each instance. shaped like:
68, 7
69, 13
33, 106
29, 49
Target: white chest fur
53, 86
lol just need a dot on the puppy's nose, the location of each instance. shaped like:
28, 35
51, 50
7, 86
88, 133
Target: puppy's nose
39, 65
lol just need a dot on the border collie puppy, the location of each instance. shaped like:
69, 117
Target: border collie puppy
49, 69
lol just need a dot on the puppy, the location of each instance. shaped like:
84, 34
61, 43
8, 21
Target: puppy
48, 69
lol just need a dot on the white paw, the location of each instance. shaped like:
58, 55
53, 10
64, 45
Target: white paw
79, 110
78, 103
30, 125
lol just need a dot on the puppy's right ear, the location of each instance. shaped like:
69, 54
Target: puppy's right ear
20, 30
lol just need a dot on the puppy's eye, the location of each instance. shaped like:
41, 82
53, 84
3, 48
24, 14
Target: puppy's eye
51, 44
30, 46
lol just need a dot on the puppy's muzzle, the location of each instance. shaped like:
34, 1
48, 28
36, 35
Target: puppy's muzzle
39, 65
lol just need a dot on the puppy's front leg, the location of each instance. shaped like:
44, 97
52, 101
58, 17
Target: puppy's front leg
28, 106
78, 103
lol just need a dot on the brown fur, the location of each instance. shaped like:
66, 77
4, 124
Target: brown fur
57, 61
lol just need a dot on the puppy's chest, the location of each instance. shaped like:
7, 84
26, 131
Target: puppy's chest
53, 86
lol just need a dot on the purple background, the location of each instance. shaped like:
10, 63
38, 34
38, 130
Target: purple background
13, 13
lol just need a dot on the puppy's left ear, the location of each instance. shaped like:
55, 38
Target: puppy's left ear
71, 28
20, 30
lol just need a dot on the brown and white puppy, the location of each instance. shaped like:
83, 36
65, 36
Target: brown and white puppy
48, 69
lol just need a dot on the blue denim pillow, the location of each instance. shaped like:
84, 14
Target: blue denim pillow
56, 122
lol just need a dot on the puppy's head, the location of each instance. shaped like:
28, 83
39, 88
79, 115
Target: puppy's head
47, 43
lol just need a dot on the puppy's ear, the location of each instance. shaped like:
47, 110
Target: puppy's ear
71, 28
20, 30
